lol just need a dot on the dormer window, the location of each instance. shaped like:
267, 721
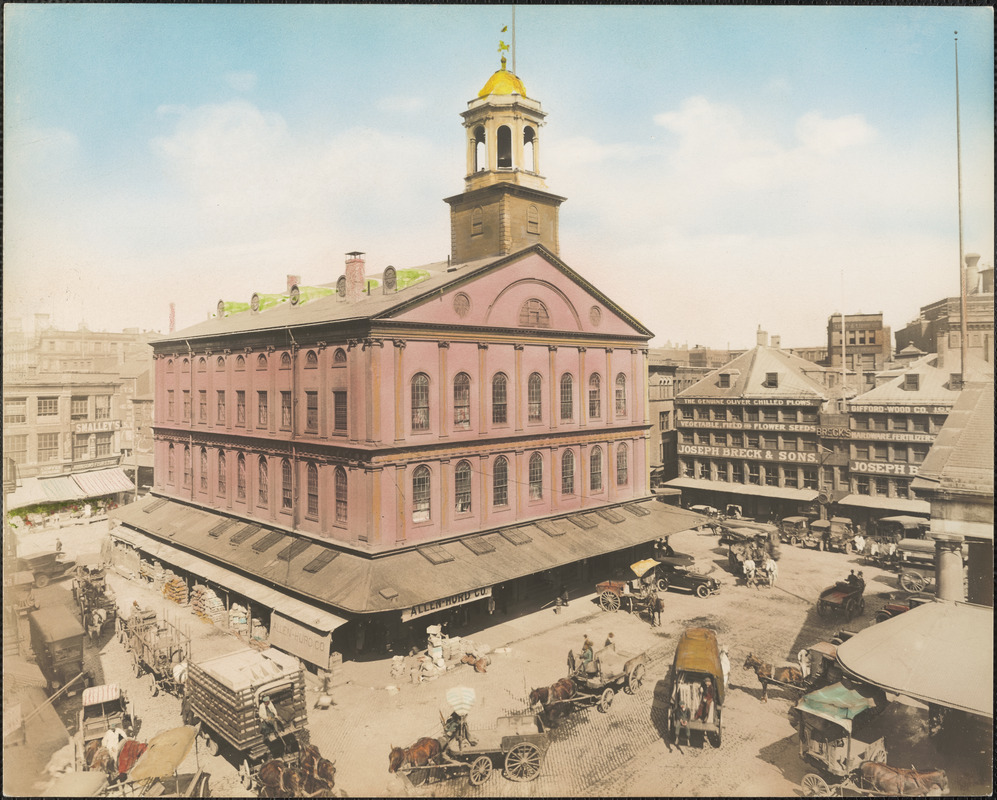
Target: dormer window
771, 380
724, 380
912, 383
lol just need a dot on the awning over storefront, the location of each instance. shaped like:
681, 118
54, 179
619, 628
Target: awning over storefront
785, 493
939, 653
253, 590
35, 491
399, 581
898, 504
103, 482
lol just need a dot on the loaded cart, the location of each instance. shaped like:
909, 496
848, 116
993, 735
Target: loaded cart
159, 647
696, 686
225, 694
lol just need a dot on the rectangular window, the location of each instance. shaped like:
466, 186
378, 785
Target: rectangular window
912, 383
262, 409
48, 447
882, 487
16, 447
79, 408
15, 411
202, 406
771, 380
880, 452
102, 406
737, 472
221, 406
737, 440
808, 416
771, 475
769, 442
751, 414
724, 380
900, 453
48, 406
751, 440
285, 410
902, 490
718, 439
861, 452
722, 471
311, 412
186, 405
808, 445
754, 475
918, 453
877, 423
171, 404
770, 415
736, 415
339, 411
240, 407
662, 420
790, 443
862, 485
104, 444
810, 479
920, 424
81, 446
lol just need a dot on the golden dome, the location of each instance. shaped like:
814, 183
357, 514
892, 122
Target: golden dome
503, 82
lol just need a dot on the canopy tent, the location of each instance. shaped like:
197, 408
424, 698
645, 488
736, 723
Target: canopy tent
838, 703
940, 653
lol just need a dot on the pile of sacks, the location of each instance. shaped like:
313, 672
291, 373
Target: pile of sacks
476, 655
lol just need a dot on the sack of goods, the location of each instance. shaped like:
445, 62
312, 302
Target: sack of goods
176, 590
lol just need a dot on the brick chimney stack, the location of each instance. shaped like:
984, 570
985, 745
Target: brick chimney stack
292, 280
354, 276
762, 337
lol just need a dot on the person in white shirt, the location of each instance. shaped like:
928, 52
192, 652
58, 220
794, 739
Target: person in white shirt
772, 570
725, 665
269, 720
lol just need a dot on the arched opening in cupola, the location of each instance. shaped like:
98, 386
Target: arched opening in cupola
504, 142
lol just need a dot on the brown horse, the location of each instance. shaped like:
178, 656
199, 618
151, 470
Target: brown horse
98, 758
564, 689
903, 782
766, 674
420, 754
320, 773
278, 779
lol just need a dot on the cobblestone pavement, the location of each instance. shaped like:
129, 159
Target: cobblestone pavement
620, 753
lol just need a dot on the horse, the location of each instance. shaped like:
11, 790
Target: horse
96, 623
319, 772
420, 754
548, 697
766, 674
278, 779
96, 757
903, 782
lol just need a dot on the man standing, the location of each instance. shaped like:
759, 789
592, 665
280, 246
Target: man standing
725, 665
656, 609
268, 716
772, 570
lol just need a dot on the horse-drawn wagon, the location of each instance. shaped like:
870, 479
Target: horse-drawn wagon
843, 597
224, 695
95, 599
592, 683
159, 647
696, 687
517, 744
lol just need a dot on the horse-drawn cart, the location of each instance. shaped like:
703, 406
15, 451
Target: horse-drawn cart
614, 595
159, 647
597, 682
96, 601
844, 597
696, 686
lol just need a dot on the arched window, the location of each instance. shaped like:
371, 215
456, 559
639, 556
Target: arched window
462, 487
462, 400
568, 473
340, 495
186, 467
533, 314
480, 152
220, 362
476, 222
240, 478
203, 478
536, 476
202, 364
499, 399
171, 466
263, 495
595, 397
185, 366
530, 149
285, 360
621, 395
240, 363
339, 357
312, 508
420, 493
221, 473
261, 361
534, 396
595, 470
567, 397
500, 482
503, 141
311, 360
420, 402
285, 484
169, 367
622, 467
532, 220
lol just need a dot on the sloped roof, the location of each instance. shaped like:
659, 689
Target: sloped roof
377, 304
748, 376
933, 383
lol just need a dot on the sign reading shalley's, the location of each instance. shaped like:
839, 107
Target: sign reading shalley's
97, 426
447, 602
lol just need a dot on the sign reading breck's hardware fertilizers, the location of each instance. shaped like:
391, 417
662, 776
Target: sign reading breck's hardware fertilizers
447, 602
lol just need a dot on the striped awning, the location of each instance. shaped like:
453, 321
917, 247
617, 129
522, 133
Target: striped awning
103, 482
35, 491
101, 694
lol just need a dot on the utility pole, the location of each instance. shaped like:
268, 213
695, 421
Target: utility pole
962, 269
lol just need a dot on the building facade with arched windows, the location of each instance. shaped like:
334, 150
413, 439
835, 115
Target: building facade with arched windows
404, 431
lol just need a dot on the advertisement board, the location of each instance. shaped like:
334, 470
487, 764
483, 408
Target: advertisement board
446, 602
300, 640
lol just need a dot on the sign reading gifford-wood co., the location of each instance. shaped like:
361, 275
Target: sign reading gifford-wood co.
303, 642
447, 602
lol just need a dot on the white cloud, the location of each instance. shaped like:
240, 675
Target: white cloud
825, 137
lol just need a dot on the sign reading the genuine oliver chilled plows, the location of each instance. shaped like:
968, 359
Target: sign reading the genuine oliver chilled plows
444, 603
299, 640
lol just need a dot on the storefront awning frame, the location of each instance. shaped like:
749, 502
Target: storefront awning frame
778, 492
898, 504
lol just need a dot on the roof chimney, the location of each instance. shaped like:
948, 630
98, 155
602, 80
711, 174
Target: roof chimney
293, 280
972, 274
762, 337
354, 276
776, 341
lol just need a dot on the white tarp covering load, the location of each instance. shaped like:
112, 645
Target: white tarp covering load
939, 653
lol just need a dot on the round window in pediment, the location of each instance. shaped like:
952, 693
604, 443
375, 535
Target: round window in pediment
461, 304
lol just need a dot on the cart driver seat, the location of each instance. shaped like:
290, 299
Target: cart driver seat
457, 732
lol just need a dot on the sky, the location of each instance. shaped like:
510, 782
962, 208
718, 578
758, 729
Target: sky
725, 168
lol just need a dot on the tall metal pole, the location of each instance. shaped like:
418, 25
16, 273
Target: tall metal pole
962, 269
514, 40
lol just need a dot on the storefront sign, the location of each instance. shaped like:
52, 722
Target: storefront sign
795, 427
793, 456
882, 468
746, 401
447, 602
97, 426
854, 409
834, 433
303, 642
893, 436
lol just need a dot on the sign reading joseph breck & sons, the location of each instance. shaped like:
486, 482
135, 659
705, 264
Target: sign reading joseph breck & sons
447, 602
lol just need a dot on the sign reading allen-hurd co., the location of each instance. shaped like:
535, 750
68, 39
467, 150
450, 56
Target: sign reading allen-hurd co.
447, 602
97, 426
295, 638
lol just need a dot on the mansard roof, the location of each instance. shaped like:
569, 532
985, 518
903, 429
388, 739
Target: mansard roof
934, 382
798, 378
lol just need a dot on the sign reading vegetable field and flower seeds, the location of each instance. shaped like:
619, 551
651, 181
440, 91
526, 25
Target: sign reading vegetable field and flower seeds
447, 602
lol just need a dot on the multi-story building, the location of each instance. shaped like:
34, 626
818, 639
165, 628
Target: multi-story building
662, 452
374, 457
867, 346
748, 435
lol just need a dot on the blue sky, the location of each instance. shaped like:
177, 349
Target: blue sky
737, 166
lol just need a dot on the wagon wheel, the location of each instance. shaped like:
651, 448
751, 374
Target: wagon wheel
912, 581
606, 700
861, 605
609, 601
522, 763
851, 607
815, 786
634, 679
41, 580
715, 736
822, 609
137, 665
702, 590
154, 687
246, 775
481, 770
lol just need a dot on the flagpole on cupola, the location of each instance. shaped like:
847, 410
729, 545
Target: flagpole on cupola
514, 41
